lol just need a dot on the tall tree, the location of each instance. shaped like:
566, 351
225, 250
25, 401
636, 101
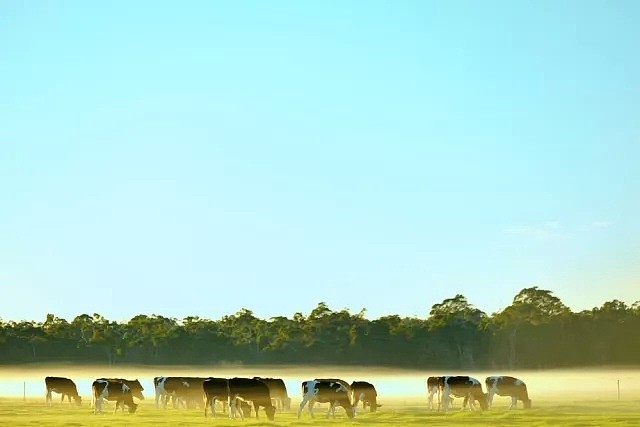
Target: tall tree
530, 306
458, 324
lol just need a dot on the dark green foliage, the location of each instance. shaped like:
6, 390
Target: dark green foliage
536, 331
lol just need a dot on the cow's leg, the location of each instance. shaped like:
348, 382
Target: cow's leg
332, 409
233, 408
445, 402
490, 394
311, 405
304, 402
209, 403
356, 400
514, 402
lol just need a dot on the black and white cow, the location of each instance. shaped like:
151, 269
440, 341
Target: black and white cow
250, 390
64, 386
366, 393
278, 391
508, 386
434, 388
215, 389
134, 385
323, 391
468, 388
112, 390
176, 388
194, 396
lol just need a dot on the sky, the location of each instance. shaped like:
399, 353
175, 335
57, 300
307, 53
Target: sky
197, 158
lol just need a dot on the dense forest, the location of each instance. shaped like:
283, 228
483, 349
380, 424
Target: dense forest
536, 331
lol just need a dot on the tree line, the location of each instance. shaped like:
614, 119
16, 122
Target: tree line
536, 331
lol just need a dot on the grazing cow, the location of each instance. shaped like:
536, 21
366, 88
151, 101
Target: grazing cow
508, 386
176, 388
365, 392
113, 390
468, 388
434, 387
214, 389
134, 385
250, 390
194, 395
278, 391
64, 386
326, 391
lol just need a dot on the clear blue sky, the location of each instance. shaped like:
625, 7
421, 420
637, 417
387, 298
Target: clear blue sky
195, 158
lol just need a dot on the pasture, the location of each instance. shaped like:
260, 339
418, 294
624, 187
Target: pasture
397, 412
567, 397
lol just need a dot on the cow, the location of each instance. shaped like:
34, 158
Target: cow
468, 388
508, 386
278, 391
171, 387
217, 389
362, 391
194, 395
65, 387
112, 390
434, 387
214, 389
324, 391
134, 385
250, 390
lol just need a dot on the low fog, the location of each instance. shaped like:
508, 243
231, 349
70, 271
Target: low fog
397, 386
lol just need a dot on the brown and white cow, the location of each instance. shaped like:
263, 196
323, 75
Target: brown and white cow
366, 393
326, 391
64, 386
112, 390
508, 386
278, 391
249, 390
467, 387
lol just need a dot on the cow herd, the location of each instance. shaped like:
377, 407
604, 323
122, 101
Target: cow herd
242, 396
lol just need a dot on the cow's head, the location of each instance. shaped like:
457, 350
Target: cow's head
78, 400
132, 408
527, 403
350, 410
482, 400
270, 411
136, 389
245, 407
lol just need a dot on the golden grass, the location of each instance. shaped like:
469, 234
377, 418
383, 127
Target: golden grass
400, 412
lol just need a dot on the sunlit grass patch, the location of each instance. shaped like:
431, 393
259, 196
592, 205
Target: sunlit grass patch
15, 412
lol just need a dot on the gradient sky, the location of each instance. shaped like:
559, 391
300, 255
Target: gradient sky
196, 158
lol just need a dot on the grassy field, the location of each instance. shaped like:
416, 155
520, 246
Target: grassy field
16, 412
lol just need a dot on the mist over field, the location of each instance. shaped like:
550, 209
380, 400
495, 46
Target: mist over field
600, 384
567, 397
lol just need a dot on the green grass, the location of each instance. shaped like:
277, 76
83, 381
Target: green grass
15, 412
